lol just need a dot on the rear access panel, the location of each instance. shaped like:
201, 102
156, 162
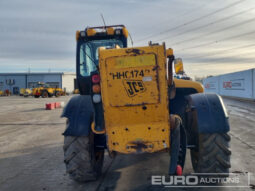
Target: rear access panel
134, 95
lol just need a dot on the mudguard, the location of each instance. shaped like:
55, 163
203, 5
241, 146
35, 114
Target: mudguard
209, 112
79, 112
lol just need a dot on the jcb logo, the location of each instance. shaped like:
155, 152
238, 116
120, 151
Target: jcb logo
134, 87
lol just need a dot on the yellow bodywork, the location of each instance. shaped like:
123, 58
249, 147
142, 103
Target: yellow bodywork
91, 32
76, 91
1, 93
27, 92
22, 91
61, 91
110, 31
179, 83
51, 90
38, 91
135, 99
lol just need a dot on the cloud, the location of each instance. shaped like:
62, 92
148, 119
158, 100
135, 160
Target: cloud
41, 34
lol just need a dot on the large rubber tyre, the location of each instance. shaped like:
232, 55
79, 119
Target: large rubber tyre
213, 155
83, 162
45, 94
177, 149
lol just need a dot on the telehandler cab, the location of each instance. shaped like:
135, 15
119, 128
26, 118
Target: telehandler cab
129, 103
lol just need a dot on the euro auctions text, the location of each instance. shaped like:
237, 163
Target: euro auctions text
203, 180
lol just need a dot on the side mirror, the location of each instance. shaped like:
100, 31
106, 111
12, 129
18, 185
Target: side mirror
178, 66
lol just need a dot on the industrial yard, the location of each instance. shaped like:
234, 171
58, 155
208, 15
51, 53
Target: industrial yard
31, 155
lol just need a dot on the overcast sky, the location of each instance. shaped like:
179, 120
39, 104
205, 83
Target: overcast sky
212, 37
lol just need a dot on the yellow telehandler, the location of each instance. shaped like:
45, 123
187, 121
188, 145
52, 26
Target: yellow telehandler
129, 95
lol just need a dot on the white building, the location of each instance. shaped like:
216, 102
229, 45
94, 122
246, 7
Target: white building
15, 81
237, 84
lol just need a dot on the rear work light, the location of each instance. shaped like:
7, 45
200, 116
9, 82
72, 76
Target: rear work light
82, 34
110, 31
95, 78
91, 32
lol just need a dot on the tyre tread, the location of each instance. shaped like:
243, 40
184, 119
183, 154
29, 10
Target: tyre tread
77, 159
214, 153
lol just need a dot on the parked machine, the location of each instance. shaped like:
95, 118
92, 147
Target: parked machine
44, 90
22, 91
28, 92
129, 95
60, 91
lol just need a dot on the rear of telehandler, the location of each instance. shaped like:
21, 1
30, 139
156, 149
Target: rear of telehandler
129, 96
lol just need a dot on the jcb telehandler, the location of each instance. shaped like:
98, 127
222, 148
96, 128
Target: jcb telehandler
130, 103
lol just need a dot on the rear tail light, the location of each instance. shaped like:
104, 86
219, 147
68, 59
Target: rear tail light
96, 88
95, 78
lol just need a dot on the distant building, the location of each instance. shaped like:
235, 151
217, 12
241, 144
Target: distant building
15, 81
237, 84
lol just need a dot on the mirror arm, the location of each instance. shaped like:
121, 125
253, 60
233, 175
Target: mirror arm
170, 69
